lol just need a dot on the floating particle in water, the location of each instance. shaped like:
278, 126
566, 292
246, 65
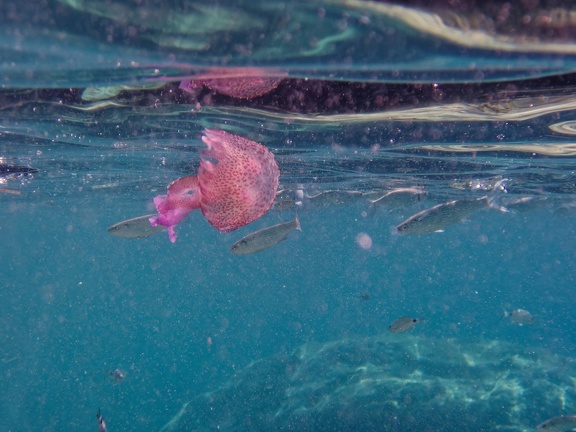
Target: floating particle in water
364, 241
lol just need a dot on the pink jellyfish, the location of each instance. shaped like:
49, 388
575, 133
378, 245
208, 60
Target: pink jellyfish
236, 184
242, 83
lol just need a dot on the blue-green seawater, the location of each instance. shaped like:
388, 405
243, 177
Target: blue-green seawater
183, 319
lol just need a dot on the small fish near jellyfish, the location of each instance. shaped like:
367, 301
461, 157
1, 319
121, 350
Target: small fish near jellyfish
520, 317
265, 238
558, 424
117, 375
403, 324
101, 423
236, 184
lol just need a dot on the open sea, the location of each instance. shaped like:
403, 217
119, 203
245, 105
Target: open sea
470, 105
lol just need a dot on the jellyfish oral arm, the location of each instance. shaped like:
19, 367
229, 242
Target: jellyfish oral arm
183, 197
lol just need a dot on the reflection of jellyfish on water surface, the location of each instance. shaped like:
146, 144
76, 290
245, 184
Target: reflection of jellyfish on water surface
242, 83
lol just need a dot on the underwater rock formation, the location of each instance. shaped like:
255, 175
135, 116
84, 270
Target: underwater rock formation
387, 383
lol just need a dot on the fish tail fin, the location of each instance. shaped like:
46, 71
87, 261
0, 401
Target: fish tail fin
500, 186
298, 226
496, 206
497, 191
372, 208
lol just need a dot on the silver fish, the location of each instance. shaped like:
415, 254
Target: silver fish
558, 424
265, 238
364, 295
287, 199
101, 423
285, 204
403, 324
520, 317
479, 184
117, 375
565, 208
330, 197
442, 215
525, 203
400, 197
135, 228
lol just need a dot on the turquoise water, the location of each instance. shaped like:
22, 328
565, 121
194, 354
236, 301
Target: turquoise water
296, 336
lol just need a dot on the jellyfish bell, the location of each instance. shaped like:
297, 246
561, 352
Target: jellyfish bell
236, 184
